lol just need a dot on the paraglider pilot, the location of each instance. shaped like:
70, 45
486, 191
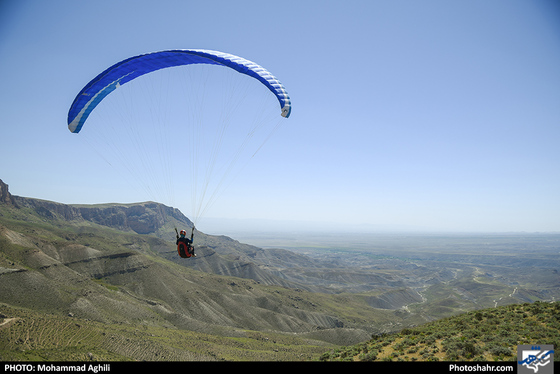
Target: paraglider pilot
185, 246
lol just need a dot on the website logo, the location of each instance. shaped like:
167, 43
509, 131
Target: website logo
533, 359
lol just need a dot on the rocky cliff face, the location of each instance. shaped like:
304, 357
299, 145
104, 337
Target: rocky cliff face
5, 196
142, 218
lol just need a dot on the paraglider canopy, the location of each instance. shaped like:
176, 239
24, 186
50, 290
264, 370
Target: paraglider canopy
190, 126
122, 72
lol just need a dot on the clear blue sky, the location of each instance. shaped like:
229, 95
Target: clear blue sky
439, 115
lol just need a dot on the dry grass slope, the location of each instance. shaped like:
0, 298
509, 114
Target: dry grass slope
32, 336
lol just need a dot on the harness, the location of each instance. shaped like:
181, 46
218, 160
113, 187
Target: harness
184, 248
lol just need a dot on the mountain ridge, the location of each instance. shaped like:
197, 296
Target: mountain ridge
220, 255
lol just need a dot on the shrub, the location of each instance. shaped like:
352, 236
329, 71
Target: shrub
370, 356
498, 350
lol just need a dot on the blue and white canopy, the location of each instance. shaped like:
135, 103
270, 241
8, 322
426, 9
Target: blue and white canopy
120, 73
